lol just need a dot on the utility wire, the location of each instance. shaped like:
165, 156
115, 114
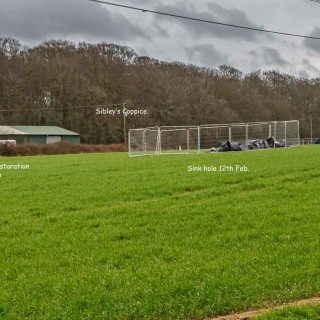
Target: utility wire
172, 15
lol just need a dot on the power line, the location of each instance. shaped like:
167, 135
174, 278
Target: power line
172, 15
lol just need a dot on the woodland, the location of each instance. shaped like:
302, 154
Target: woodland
63, 83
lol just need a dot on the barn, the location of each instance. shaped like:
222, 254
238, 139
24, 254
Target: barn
38, 134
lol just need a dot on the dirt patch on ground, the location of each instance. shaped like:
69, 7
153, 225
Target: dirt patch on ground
254, 313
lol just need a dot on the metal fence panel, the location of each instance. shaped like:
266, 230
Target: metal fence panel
192, 139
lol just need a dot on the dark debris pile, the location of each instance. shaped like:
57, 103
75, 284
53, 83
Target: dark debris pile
253, 144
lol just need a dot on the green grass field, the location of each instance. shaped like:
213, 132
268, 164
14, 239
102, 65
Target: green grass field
299, 313
102, 236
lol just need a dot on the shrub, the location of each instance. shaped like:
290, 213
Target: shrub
58, 148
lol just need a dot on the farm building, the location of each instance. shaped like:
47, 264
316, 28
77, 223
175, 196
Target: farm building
38, 134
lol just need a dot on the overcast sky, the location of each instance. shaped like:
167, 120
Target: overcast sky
165, 38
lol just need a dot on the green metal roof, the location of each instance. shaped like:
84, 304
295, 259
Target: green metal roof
44, 130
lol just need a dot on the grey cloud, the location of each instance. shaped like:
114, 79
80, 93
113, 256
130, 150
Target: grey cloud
143, 52
163, 32
213, 12
38, 20
304, 74
309, 70
268, 56
313, 44
206, 55
165, 38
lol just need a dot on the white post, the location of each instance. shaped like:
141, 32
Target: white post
158, 137
311, 129
144, 142
230, 134
129, 143
270, 130
285, 133
157, 143
199, 142
247, 135
275, 134
299, 141
160, 146
188, 140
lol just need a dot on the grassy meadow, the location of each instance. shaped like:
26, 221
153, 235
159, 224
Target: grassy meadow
299, 313
102, 236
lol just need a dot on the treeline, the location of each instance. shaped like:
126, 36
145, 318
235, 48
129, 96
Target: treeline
49, 84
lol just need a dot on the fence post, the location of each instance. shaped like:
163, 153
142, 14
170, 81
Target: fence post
144, 142
285, 133
129, 142
199, 142
275, 134
270, 129
188, 140
230, 134
311, 129
157, 146
160, 143
299, 139
247, 135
